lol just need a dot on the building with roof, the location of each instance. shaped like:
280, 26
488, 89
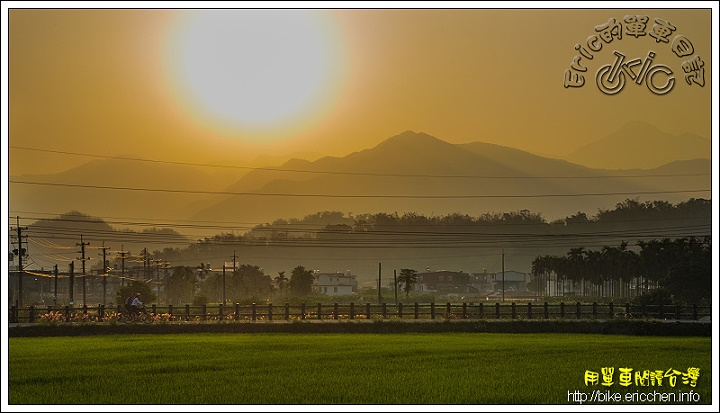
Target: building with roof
334, 284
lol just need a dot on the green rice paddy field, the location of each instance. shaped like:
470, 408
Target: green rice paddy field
410, 368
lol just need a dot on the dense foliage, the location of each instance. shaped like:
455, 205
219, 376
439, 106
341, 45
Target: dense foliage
683, 267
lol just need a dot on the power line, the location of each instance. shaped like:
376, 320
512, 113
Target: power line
296, 225
128, 158
383, 238
280, 194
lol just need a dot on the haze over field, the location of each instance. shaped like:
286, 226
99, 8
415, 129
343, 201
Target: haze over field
216, 121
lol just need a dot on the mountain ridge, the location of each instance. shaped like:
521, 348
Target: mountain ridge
619, 149
410, 171
370, 181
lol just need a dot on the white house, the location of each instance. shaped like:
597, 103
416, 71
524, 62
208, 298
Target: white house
338, 283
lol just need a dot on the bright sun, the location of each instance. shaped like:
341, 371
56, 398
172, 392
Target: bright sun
255, 69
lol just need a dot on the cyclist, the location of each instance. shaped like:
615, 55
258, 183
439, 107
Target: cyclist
136, 303
128, 304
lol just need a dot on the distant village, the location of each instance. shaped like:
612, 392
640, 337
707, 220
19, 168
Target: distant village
49, 288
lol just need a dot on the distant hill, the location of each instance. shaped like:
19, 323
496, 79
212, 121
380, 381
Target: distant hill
415, 172
410, 172
99, 201
640, 145
58, 238
272, 159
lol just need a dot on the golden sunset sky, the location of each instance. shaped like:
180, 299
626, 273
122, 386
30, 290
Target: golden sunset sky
228, 86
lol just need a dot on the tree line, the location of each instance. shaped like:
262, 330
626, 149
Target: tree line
678, 270
331, 225
245, 282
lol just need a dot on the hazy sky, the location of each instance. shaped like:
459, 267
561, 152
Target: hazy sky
224, 86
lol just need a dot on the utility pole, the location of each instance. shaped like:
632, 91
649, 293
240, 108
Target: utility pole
234, 276
166, 274
503, 275
20, 252
157, 275
379, 283
104, 272
223, 297
82, 250
56, 281
123, 254
395, 282
72, 283
145, 263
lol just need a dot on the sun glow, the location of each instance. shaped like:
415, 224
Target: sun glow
255, 70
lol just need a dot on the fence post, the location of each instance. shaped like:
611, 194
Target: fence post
417, 311
464, 314
32, 314
154, 309
170, 310
594, 309
302, 311
546, 311
481, 311
67, 314
187, 312
384, 310
287, 311
400, 310
99, 310
319, 313
432, 310
84, 309
102, 311
204, 311
237, 311
497, 310
352, 311
270, 307
13, 314
677, 311
643, 310
335, 311
514, 314
562, 309
530, 311
612, 312
220, 310
695, 312
254, 311
367, 310
577, 310
660, 311
119, 309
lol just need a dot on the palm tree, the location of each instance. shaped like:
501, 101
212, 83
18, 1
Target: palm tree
541, 270
408, 277
281, 282
301, 281
576, 262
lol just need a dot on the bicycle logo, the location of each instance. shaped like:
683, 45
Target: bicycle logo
611, 79
658, 78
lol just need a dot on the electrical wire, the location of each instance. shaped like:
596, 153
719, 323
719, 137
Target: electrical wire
308, 171
371, 196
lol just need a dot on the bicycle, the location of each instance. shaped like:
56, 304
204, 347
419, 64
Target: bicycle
611, 78
139, 316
